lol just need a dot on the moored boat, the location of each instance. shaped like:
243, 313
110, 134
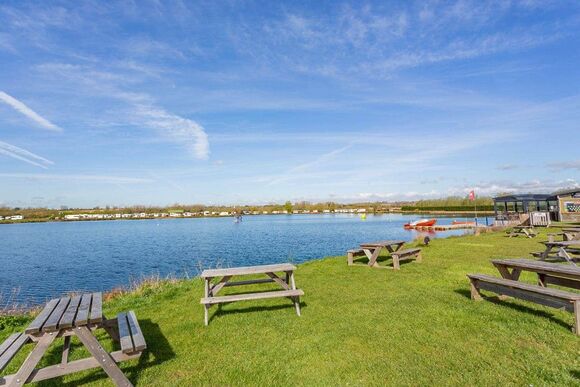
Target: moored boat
420, 223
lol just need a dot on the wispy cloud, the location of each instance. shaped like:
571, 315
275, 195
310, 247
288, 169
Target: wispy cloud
507, 167
23, 155
564, 165
494, 187
299, 170
28, 112
72, 177
183, 131
139, 108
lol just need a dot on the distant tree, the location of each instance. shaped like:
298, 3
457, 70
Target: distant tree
288, 207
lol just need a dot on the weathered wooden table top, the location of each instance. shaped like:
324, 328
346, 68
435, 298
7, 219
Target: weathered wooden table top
382, 243
67, 312
533, 265
247, 270
562, 243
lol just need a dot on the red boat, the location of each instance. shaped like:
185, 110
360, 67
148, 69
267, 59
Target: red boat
420, 223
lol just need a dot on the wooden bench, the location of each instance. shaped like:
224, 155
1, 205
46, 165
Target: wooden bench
554, 298
287, 284
352, 253
10, 347
400, 255
130, 334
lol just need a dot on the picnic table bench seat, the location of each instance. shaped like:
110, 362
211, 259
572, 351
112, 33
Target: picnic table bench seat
352, 253
10, 347
130, 335
554, 298
405, 254
251, 296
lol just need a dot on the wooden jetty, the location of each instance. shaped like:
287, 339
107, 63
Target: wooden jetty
446, 227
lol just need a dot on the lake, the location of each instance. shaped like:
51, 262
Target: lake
44, 260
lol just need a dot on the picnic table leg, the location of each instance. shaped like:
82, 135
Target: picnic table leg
546, 253
577, 317
542, 280
103, 357
475, 293
373, 256
32, 360
564, 254
296, 299
205, 306
65, 350
396, 265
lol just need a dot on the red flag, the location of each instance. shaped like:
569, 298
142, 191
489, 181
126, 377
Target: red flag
472, 195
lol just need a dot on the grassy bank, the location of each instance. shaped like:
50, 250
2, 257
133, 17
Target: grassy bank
358, 326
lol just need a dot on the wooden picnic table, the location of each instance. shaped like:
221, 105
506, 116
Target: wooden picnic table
564, 250
287, 283
65, 317
570, 234
373, 249
548, 272
527, 231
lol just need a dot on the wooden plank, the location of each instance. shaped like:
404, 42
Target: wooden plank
103, 357
36, 325
83, 311
407, 252
247, 270
16, 341
568, 283
51, 324
278, 280
96, 315
124, 334
538, 298
8, 342
542, 265
554, 293
71, 311
214, 290
381, 243
58, 370
252, 296
136, 333
249, 282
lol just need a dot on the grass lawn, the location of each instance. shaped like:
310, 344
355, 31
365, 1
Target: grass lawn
359, 326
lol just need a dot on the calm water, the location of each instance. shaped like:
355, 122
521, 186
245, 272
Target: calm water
45, 260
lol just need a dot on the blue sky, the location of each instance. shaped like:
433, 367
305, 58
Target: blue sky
136, 102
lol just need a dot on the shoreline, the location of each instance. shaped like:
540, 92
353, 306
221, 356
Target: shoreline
481, 214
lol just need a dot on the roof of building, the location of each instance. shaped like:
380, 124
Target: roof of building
524, 198
568, 191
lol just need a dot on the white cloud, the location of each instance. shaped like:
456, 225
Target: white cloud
28, 112
563, 165
182, 131
93, 178
23, 155
495, 187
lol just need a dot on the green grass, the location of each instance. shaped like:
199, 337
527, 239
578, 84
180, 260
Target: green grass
359, 326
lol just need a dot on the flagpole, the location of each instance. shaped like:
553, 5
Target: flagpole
475, 204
